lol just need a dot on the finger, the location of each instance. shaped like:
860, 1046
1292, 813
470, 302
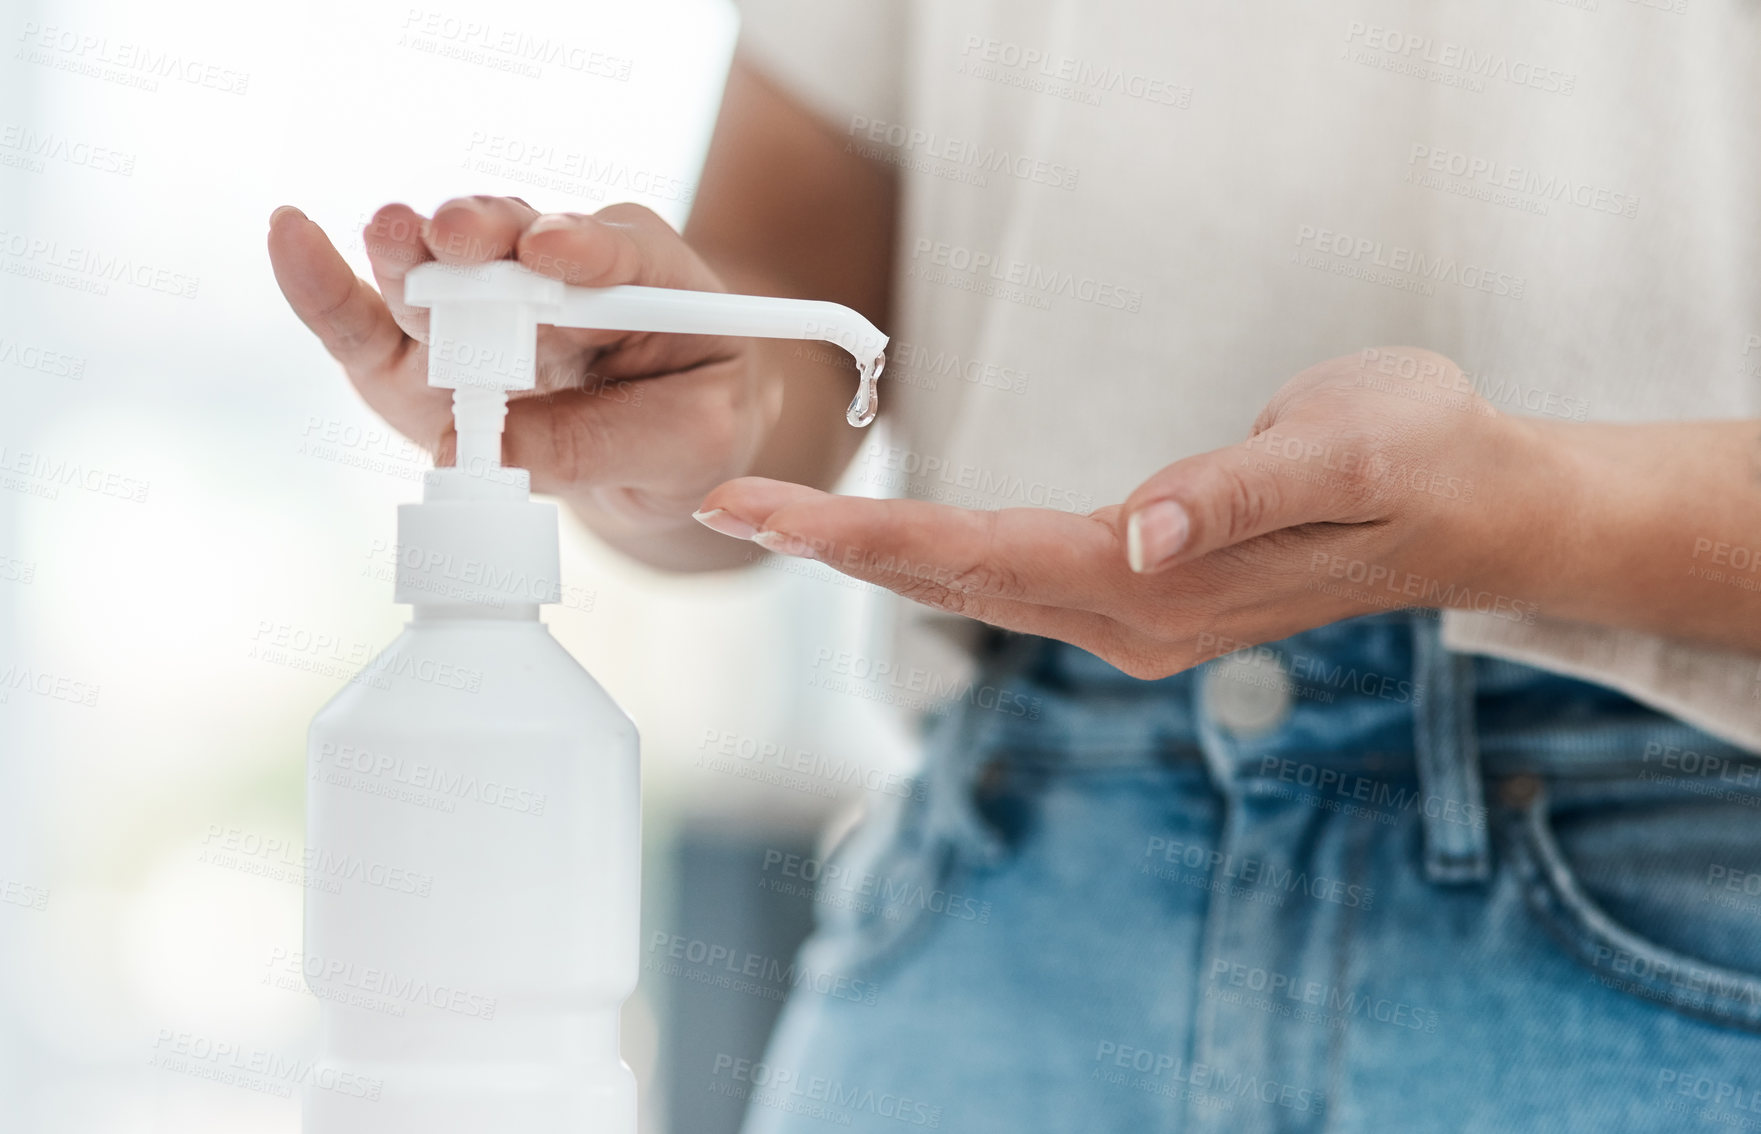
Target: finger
397, 240
471, 230
1034, 555
1227, 496
395, 244
620, 244
752, 496
628, 434
795, 506
347, 315
1081, 628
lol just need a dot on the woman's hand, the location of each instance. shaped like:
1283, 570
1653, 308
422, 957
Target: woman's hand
635, 427
1374, 481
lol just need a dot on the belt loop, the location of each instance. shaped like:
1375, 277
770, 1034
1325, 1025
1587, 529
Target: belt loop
1452, 804
970, 740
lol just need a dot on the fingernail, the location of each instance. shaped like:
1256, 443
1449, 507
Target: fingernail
784, 545
549, 221
723, 521
280, 209
1155, 534
469, 205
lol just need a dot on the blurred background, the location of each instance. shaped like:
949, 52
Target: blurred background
197, 510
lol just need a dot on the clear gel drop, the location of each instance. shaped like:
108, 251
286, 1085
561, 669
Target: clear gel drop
866, 404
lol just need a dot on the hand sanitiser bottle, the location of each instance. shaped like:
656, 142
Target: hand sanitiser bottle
473, 803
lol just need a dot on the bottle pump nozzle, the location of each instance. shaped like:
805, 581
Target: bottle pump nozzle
475, 521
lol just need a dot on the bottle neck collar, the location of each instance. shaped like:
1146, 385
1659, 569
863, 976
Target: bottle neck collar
474, 612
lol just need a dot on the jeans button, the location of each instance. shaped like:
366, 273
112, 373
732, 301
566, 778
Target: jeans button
1519, 791
1246, 697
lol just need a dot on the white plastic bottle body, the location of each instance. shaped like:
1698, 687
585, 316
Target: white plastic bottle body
473, 856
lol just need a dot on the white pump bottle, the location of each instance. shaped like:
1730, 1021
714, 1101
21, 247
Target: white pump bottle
473, 796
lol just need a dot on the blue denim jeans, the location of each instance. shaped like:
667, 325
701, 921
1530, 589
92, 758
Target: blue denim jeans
1346, 882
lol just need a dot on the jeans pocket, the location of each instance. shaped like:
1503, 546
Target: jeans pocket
1658, 894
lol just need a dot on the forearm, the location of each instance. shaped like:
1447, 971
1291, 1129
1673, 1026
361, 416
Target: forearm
784, 210
1653, 527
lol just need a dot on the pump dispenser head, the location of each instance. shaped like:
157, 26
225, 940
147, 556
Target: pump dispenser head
483, 331
476, 538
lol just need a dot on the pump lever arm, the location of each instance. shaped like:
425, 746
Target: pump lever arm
629, 307
486, 316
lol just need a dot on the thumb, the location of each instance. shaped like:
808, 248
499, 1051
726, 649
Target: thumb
1212, 500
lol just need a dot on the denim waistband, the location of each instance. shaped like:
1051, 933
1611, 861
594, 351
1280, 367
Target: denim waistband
1362, 695
1345, 709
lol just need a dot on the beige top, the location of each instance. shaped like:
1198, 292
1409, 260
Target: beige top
1126, 224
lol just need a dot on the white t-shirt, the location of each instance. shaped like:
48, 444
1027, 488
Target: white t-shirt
1126, 225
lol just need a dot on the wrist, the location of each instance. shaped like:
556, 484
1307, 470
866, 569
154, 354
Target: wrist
1545, 509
